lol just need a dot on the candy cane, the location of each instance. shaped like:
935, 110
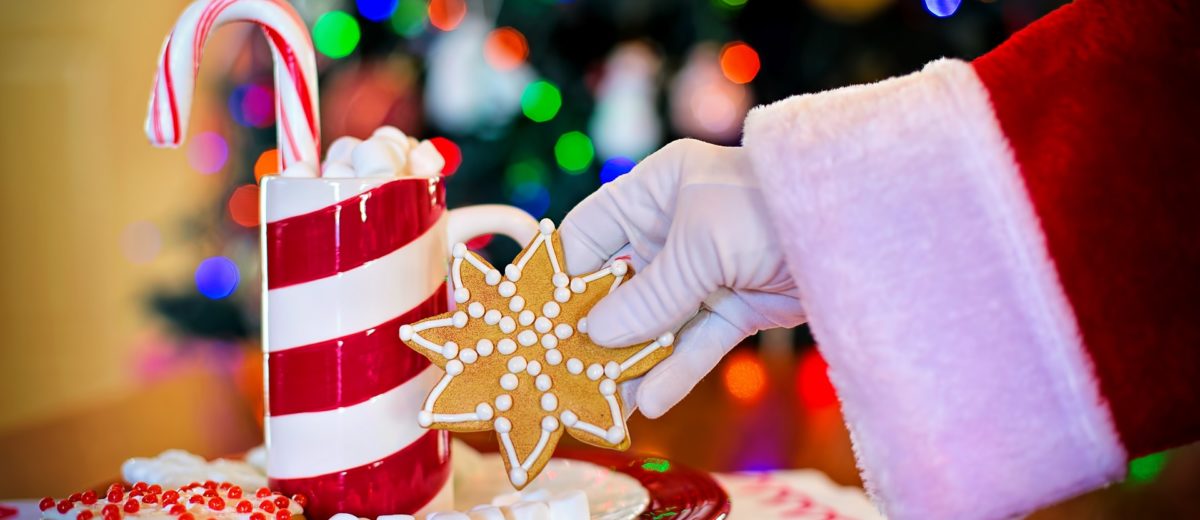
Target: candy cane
296, 104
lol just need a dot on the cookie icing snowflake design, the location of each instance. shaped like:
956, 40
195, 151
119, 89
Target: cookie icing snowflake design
518, 358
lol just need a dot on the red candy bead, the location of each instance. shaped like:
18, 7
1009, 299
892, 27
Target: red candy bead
267, 506
64, 506
235, 492
283, 514
196, 499
216, 504
300, 500
170, 497
131, 506
282, 502
140, 486
210, 493
84, 515
258, 516
245, 506
75, 497
225, 485
46, 503
177, 509
210, 484
89, 497
137, 492
115, 493
155, 488
262, 492
150, 499
187, 516
111, 509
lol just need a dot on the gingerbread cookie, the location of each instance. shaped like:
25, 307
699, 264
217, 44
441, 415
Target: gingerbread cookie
518, 358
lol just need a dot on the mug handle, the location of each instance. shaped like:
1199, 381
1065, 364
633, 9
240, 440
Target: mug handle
472, 221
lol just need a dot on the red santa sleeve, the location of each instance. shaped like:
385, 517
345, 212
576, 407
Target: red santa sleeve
1001, 259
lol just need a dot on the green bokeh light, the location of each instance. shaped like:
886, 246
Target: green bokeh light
1146, 469
522, 178
410, 17
658, 465
574, 152
541, 101
336, 34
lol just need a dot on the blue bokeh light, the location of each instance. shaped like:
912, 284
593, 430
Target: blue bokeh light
217, 277
615, 167
942, 8
377, 10
533, 198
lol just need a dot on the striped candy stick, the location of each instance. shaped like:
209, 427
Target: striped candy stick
296, 102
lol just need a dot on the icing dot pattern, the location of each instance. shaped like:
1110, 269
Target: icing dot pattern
526, 367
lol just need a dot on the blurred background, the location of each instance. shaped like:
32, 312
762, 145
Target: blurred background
130, 277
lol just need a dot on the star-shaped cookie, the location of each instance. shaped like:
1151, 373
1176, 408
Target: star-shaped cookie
518, 358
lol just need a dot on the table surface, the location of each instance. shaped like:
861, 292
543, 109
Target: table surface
713, 429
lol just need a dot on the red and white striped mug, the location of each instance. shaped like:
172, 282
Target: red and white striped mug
345, 263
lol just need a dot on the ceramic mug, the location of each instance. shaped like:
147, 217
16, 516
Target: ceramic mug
345, 263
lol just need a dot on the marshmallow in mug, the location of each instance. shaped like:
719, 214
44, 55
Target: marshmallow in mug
387, 153
178, 468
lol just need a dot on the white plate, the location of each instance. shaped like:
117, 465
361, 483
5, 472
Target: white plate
480, 478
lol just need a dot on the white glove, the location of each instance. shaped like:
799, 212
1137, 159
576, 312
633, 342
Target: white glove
694, 217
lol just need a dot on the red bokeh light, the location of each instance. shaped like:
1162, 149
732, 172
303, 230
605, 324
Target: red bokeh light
812, 381
739, 62
505, 48
745, 377
267, 164
450, 152
447, 14
479, 242
243, 205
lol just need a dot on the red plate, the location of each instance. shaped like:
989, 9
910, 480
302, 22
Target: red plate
676, 492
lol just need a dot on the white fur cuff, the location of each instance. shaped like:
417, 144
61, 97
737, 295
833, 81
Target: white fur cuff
924, 272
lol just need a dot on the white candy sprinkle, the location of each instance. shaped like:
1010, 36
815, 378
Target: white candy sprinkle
563, 331
562, 295
527, 337
460, 250
508, 382
549, 341
574, 366
560, 279
516, 364
549, 423
459, 319
619, 268
454, 367
483, 411
468, 356
546, 226
542, 324
503, 402
516, 303
492, 277
534, 368
506, 346
507, 289
406, 332
568, 418
594, 371
543, 382
484, 347
502, 425
475, 309
666, 339
551, 309
578, 285
512, 272
612, 369
518, 476
525, 318
461, 295
491, 317
549, 402
553, 357
450, 349
424, 418
507, 325
582, 325
608, 387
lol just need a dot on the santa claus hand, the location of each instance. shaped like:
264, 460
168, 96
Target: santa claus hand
693, 218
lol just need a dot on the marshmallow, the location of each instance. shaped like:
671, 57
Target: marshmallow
340, 150
343, 516
376, 157
447, 515
485, 512
301, 170
527, 511
426, 161
571, 505
337, 170
393, 517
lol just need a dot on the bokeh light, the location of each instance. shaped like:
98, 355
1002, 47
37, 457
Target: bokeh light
615, 167
207, 152
745, 377
253, 105
267, 164
1146, 469
505, 48
942, 8
336, 34
447, 14
525, 184
141, 242
729, 4
376, 10
450, 152
409, 18
243, 205
574, 152
812, 381
739, 62
540, 101
217, 277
